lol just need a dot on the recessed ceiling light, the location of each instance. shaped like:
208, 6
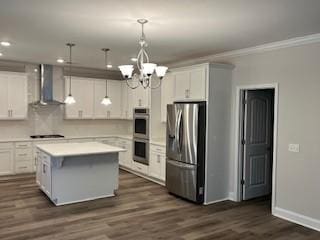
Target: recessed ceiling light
1, 54
35, 70
60, 60
5, 44
109, 66
133, 59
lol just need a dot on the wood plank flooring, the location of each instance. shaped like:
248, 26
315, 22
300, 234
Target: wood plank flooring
141, 210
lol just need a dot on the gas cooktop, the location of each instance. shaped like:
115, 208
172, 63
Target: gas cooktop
47, 136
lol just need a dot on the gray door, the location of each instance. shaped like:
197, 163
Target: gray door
182, 132
258, 140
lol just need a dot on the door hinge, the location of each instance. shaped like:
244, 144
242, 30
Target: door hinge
245, 101
243, 142
242, 182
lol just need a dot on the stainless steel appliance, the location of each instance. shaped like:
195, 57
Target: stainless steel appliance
141, 123
141, 150
141, 135
185, 150
47, 136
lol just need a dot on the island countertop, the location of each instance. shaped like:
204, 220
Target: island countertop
78, 149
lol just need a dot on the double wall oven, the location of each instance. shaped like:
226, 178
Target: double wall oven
141, 135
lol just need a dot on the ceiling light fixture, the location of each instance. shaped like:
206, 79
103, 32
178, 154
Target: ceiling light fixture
109, 66
5, 44
70, 99
145, 68
133, 59
1, 54
60, 60
106, 100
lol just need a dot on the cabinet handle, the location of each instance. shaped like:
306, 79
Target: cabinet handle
44, 169
22, 154
9, 113
158, 160
22, 167
25, 145
140, 103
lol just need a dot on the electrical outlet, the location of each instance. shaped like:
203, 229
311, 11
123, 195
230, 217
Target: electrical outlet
294, 148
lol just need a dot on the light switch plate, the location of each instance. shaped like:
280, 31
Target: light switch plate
294, 147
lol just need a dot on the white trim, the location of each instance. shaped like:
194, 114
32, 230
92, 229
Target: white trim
237, 185
293, 42
82, 200
216, 201
297, 218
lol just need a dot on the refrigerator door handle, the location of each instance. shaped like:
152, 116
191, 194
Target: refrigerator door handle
181, 165
178, 125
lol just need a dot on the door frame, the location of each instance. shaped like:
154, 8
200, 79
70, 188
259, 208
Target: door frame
238, 166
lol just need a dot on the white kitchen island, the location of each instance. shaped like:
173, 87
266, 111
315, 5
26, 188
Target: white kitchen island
76, 172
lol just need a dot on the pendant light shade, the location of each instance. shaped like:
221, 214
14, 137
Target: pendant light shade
126, 70
161, 71
70, 99
106, 100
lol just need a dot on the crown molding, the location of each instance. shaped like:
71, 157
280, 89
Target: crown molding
293, 42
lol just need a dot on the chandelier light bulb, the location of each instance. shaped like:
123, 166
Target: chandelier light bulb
161, 71
126, 70
106, 101
148, 68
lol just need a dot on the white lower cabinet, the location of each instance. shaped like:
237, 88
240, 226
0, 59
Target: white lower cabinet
45, 175
125, 158
23, 157
6, 159
157, 163
140, 168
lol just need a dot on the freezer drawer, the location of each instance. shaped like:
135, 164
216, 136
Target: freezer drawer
181, 179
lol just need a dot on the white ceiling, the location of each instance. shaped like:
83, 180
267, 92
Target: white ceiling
178, 29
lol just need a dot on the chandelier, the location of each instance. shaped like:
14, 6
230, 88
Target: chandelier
145, 69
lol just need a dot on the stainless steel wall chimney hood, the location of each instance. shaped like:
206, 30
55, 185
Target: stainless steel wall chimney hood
46, 87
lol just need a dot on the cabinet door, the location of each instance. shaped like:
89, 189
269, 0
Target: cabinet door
182, 85
82, 91
100, 111
124, 100
141, 97
6, 161
38, 167
167, 94
4, 109
198, 84
17, 97
162, 167
114, 92
46, 178
155, 165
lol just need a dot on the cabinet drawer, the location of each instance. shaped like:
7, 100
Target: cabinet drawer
6, 145
23, 144
157, 149
23, 154
24, 167
141, 168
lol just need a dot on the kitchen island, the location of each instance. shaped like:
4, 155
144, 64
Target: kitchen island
76, 172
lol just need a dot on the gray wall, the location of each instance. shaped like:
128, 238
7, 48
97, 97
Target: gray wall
297, 70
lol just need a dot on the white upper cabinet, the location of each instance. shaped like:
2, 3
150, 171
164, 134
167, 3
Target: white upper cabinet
82, 91
13, 96
127, 97
167, 94
190, 84
141, 97
114, 92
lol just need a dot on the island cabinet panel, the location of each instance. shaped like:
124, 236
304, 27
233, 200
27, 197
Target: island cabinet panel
6, 161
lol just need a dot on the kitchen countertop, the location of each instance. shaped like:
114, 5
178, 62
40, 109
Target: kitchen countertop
28, 139
77, 149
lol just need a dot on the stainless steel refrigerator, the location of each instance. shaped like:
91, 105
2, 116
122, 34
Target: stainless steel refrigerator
185, 150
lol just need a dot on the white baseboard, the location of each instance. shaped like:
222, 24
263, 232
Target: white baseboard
216, 201
297, 218
232, 197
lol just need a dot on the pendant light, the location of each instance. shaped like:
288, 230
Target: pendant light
106, 100
70, 99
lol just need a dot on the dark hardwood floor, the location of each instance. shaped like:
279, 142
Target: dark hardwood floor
141, 210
